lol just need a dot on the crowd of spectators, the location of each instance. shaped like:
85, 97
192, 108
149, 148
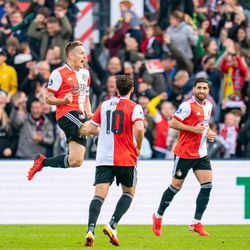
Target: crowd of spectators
173, 44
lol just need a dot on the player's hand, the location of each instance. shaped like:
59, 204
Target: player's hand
211, 136
68, 98
199, 128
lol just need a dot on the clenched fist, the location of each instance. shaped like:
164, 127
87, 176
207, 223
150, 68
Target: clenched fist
68, 98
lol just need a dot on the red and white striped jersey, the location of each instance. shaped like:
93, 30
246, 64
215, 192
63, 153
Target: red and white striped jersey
116, 118
64, 80
191, 145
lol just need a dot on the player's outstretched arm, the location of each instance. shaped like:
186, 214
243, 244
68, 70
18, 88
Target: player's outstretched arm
89, 128
52, 100
175, 124
138, 134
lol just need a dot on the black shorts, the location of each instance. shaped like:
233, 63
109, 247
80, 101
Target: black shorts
127, 176
182, 166
70, 123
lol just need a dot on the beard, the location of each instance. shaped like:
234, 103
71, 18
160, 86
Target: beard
200, 97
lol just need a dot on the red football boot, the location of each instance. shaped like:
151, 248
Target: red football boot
198, 228
37, 166
157, 225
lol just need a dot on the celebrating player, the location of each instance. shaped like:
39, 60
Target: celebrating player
191, 119
120, 121
68, 89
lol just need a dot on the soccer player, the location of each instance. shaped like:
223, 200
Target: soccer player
120, 138
191, 119
68, 89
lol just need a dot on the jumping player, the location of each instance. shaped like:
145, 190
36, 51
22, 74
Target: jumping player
68, 89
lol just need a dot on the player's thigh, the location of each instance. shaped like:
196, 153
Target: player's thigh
102, 189
203, 176
203, 170
126, 176
181, 168
76, 152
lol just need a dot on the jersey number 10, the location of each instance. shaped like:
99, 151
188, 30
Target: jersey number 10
115, 121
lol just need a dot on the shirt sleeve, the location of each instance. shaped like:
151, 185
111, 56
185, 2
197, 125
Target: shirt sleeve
96, 118
137, 113
183, 111
55, 81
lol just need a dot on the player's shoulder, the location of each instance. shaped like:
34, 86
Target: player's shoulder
60, 71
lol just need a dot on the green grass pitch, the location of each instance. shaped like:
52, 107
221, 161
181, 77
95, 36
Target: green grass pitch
131, 237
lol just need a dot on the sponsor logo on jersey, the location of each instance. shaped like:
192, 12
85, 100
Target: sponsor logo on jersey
179, 110
69, 78
198, 113
50, 82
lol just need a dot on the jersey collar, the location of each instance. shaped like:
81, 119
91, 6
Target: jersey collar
203, 104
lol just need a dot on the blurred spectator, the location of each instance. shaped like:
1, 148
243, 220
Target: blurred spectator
53, 57
235, 73
243, 39
36, 132
57, 33
180, 87
161, 120
219, 148
22, 57
33, 83
169, 6
151, 46
12, 46
134, 22
130, 52
8, 75
214, 76
244, 140
182, 34
114, 40
1, 8
111, 89
6, 135
229, 132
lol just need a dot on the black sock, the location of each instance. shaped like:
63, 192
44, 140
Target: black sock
94, 211
202, 200
56, 162
166, 199
121, 208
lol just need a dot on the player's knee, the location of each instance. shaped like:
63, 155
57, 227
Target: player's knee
75, 162
177, 186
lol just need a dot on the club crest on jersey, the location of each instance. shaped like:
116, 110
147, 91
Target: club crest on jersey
179, 110
81, 116
84, 78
